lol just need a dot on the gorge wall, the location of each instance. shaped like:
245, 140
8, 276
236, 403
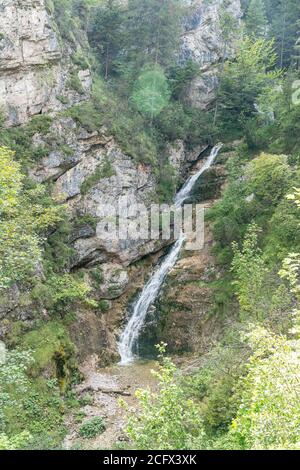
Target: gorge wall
42, 72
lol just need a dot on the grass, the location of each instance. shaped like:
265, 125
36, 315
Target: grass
104, 170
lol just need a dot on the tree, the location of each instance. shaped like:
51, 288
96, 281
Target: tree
167, 420
106, 34
283, 17
268, 416
153, 32
23, 220
229, 29
297, 48
151, 92
269, 411
249, 269
268, 179
256, 19
243, 80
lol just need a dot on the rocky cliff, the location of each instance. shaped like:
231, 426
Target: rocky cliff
37, 70
203, 43
44, 69
35, 64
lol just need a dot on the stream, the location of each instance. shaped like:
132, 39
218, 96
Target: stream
150, 292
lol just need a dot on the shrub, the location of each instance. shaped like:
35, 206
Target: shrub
92, 428
105, 170
75, 84
167, 420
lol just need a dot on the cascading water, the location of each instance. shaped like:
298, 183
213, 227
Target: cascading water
151, 290
186, 189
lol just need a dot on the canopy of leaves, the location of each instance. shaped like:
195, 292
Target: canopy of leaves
23, 219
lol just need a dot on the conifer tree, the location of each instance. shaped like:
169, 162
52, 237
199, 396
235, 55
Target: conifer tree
106, 34
153, 31
284, 16
256, 19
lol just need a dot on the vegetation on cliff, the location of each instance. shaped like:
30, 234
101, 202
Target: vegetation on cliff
244, 393
247, 387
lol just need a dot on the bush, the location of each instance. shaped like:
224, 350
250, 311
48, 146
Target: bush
167, 420
75, 84
92, 428
104, 170
31, 410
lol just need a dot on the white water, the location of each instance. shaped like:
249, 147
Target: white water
186, 189
152, 288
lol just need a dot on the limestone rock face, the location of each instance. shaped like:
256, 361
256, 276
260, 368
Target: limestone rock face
115, 281
88, 170
202, 42
33, 69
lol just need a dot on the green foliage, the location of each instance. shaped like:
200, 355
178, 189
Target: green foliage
23, 219
173, 122
167, 183
242, 82
283, 231
283, 16
51, 348
152, 41
86, 115
255, 193
268, 417
275, 125
256, 19
92, 428
19, 139
249, 269
269, 177
138, 56
14, 443
107, 35
59, 292
104, 170
104, 305
181, 76
75, 84
79, 59
215, 380
31, 409
127, 126
167, 419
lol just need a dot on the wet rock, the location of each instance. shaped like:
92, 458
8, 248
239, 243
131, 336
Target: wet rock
115, 281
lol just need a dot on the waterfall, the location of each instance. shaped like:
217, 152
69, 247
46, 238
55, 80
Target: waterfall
185, 191
151, 290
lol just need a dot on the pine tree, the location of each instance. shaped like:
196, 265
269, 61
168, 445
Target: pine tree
106, 34
153, 31
284, 16
256, 19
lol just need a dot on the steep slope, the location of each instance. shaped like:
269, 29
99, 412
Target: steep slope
45, 70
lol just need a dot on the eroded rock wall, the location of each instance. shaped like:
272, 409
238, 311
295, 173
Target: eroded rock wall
203, 42
34, 67
35, 70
